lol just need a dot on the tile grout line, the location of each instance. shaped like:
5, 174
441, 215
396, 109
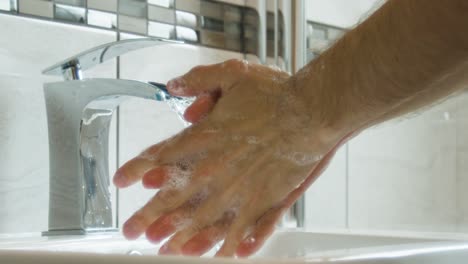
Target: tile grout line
86, 11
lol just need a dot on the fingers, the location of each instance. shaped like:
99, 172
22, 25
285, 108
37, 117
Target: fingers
266, 225
169, 177
181, 150
155, 178
177, 179
208, 78
167, 224
204, 240
200, 107
163, 201
260, 233
162, 228
134, 169
174, 245
234, 237
204, 217
200, 237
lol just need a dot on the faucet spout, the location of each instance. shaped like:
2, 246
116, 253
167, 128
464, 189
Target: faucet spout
79, 114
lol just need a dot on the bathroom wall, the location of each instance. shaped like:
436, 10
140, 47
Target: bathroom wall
27, 46
408, 174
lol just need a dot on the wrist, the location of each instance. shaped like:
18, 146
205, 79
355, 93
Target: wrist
316, 90
339, 86
304, 111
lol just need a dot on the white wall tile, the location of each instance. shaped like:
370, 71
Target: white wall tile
325, 200
234, 2
37, 7
108, 5
28, 46
133, 24
340, 13
402, 174
462, 162
144, 123
462, 191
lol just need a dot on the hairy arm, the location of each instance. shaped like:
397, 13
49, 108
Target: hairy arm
408, 54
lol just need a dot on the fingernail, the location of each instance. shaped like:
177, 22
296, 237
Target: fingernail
120, 180
176, 86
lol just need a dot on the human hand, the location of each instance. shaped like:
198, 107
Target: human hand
253, 149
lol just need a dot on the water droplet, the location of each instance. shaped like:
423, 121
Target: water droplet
251, 240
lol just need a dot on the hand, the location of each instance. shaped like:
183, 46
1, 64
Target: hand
253, 149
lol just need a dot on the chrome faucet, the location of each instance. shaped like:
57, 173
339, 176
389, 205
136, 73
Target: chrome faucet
79, 112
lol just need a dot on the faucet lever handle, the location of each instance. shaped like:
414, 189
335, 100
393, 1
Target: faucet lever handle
94, 56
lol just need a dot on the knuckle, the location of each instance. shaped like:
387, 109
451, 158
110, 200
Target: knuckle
235, 64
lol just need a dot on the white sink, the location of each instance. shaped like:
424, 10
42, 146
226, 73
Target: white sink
284, 247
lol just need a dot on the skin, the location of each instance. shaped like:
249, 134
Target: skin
260, 137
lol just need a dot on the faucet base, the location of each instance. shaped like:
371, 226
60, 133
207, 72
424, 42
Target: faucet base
79, 232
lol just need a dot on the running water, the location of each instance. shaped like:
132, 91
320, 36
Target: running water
177, 104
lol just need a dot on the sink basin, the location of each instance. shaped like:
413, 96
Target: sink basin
285, 246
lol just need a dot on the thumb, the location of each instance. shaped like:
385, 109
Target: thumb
209, 78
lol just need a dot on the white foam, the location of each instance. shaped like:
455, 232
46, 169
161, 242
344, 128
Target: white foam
181, 222
253, 140
178, 178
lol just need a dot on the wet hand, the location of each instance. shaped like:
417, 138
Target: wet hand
253, 149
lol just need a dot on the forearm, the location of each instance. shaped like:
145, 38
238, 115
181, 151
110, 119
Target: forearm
409, 54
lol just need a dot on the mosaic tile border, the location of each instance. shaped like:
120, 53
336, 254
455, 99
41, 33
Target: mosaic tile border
201, 22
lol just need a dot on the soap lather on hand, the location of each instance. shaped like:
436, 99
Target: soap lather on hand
247, 157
